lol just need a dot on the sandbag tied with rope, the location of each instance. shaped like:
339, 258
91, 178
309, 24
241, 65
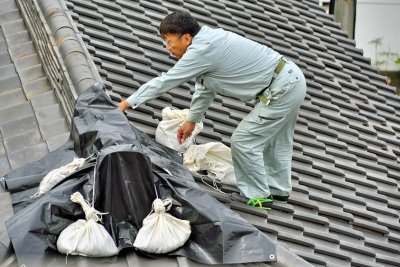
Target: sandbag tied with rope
57, 175
86, 237
213, 157
167, 129
161, 232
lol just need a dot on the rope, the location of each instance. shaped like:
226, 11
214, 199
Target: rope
94, 184
214, 186
90, 212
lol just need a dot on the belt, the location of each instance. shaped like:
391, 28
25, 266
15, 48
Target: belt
263, 98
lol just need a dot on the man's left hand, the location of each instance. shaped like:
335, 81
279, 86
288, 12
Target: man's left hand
123, 105
185, 131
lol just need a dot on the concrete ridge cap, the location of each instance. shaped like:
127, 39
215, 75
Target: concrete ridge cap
52, 10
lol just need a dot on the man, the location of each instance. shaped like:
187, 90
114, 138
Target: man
225, 63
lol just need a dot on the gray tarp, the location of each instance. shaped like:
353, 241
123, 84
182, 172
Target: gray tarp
123, 172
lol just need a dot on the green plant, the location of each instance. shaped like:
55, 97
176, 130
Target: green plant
376, 42
388, 55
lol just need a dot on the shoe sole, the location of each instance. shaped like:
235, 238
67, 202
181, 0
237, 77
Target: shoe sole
284, 201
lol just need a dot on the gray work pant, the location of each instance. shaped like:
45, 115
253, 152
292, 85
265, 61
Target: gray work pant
262, 144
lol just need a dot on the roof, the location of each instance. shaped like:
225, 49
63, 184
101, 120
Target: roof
344, 208
32, 122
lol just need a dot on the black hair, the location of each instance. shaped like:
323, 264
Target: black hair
179, 22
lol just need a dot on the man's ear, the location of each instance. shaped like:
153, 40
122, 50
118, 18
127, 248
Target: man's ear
187, 38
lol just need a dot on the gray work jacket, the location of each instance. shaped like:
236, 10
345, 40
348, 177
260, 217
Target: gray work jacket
223, 63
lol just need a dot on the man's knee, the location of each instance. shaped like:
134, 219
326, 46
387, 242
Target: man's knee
236, 140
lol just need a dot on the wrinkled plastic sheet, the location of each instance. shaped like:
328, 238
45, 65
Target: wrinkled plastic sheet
124, 172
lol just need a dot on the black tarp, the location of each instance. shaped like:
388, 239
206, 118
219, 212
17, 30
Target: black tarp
123, 172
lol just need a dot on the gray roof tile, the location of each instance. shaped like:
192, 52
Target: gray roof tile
17, 38
5, 58
108, 5
345, 167
333, 255
30, 74
120, 83
12, 97
4, 169
116, 68
387, 260
26, 61
365, 87
338, 181
305, 217
8, 5
56, 141
18, 126
7, 71
23, 140
358, 248
386, 215
85, 4
55, 128
335, 214
29, 154
8, 15
112, 14
36, 87
87, 10
371, 242
15, 112
359, 212
314, 184
98, 34
93, 23
49, 113
346, 233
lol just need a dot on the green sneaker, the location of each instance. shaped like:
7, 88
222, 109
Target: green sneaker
262, 203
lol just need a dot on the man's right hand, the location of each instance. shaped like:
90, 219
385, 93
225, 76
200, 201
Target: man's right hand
185, 131
123, 105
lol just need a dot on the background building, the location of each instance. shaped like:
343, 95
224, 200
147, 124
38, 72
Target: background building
375, 31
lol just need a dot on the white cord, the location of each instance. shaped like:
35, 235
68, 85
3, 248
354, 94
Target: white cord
214, 186
90, 212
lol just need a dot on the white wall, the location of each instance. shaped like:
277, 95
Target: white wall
378, 19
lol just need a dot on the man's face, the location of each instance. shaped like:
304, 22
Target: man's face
177, 44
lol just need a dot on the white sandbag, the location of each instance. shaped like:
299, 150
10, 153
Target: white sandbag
86, 237
213, 157
161, 232
57, 175
167, 129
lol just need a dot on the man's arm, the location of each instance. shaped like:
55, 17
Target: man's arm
201, 100
189, 66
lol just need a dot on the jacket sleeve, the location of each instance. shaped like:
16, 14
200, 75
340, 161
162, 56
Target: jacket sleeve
201, 100
189, 66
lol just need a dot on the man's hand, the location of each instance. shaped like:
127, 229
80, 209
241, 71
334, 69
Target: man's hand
185, 131
123, 105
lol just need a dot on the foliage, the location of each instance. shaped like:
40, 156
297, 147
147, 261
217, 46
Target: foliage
388, 56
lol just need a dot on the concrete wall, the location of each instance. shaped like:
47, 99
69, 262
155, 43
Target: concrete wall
379, 19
